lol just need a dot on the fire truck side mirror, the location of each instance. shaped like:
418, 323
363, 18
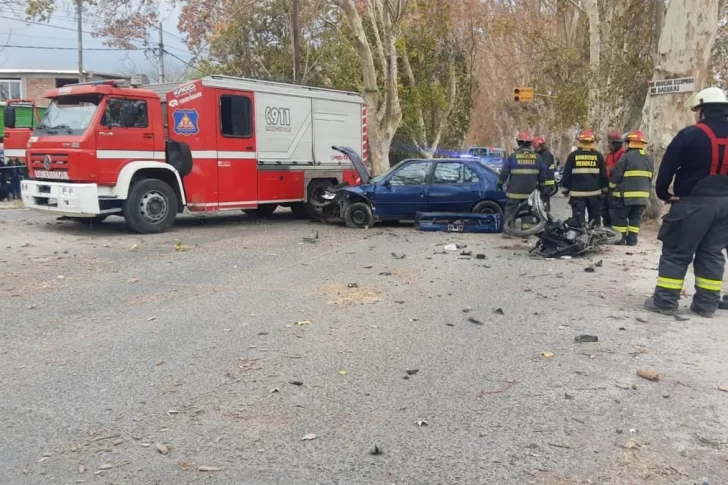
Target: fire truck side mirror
127, 115
9, 117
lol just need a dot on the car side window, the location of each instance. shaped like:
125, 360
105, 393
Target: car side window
469, 175
412, 174
448, 173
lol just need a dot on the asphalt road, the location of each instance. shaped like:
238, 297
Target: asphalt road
126, 361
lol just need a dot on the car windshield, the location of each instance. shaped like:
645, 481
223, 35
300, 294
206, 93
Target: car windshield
382, 176
69, 115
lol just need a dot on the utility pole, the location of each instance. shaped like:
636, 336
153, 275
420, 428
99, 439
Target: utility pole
160, 54
79, 13
296, 27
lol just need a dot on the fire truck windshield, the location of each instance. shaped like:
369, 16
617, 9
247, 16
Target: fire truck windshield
69, 115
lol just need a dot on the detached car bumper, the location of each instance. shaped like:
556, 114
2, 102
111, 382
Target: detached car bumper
64, 199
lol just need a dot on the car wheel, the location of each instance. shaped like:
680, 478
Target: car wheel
487, 207
358, 215
316, 190
151, 207
263, 210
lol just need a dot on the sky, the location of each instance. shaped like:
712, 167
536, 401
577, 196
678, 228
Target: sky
60, 32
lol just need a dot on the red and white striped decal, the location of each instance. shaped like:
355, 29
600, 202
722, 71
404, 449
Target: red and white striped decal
364, 138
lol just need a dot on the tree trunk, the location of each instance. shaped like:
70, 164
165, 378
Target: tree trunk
684, 49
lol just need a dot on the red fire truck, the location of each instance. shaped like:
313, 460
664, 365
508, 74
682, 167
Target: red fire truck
16, 131
217, 143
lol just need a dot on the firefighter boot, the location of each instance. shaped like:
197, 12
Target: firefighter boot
723, 305
700, 312
651, 306
631, 239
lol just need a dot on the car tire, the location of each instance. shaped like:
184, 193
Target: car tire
487, 207
315, 189
150, 207
358, 215
263, 210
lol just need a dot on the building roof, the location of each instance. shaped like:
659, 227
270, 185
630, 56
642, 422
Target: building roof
60, 72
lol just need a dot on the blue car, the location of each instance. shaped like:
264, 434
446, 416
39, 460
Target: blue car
418, 185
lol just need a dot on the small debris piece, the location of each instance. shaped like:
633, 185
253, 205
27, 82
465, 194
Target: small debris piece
422, 423
641, 319
117, 442
599, 263
301, 323
274, 390
296, 383
172, 411
480, 256
179, 247
376, 451
133, 280
412, 372
309, 437
466, 253
163, 449
475, 321
133, 247
399, 255
81, 468
681, 318
589, 269
151, 319
649, 374
205, 468
622, 329
343, 372
399, 302
450, 247
467, 309
548, 355
353, 285
106, 466
562, 257
311, 239
385, 273
723, 388
568, 396
580, 339
61, 277
498, 311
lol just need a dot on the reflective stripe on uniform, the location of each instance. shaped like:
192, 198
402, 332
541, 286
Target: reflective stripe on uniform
585, 171
621, 229
550, 182
612, 185
669, 283
552, 167
517, 196
633, 229
632, 195
706, 284
590, 193
638, 173
525, 171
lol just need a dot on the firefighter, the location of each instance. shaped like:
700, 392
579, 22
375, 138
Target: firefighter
696, 227
524, 171
616, 150
585, 179
630, 182
547, 158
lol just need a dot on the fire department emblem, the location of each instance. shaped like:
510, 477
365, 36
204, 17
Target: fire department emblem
47, 162
186, 122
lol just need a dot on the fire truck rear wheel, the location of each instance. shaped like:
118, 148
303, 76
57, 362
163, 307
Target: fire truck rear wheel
263, 210
151, 206
316, 190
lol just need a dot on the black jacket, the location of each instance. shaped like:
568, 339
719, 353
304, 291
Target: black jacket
688, 159
632, 177
585, 173
548, 160
525, 171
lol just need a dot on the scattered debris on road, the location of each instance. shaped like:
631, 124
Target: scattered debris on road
548, 355
411, 372
376, 451
162, 448
301, 323
399, 255
309, 437
641, 319
422, 423
179, 247
475, 321
296, 383
343, 372
311, 239
498, 311
649, 374
581, 339
205, 468
590, 269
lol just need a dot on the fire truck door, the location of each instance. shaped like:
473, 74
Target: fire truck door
237, 167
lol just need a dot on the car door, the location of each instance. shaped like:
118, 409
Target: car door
404, 191
455, 188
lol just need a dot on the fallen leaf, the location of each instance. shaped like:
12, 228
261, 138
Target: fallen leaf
589, 269
342, 372
309, 437
681, 318
133, 247
160, 362
301, 323
205, 468
179, 247
649, 374
548, 355
163, 449
133, 280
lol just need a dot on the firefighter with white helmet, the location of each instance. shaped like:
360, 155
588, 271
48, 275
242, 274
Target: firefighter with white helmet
696, 228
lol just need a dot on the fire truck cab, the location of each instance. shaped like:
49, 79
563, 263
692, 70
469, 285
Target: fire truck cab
217, 143
19, 118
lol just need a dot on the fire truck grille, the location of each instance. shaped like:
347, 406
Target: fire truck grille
57, 159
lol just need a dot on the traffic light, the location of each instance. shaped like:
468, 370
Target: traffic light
522, 95
517, 95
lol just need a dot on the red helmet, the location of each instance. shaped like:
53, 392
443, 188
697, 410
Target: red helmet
614, 136
586, 136
524, 137
538, 140
636, 136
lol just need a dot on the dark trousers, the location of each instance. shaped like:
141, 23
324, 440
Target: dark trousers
695, 230
580, 206
627, 219
606, 207
546, 198
15, 188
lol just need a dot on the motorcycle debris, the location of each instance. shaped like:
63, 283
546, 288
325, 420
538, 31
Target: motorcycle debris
450, 247
599, 263
480, 256
589, 269
580, 339
376, 451
385, 273
467, 309
352, 285
411, 372
399, 256
498, 311
311, 239
475, 321
466, 253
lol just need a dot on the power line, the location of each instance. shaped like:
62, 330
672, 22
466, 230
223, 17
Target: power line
44, 24
186, 63
67, 48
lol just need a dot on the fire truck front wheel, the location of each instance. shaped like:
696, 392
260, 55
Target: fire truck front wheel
151, 206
